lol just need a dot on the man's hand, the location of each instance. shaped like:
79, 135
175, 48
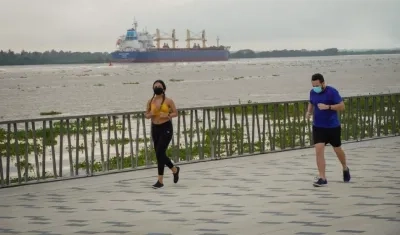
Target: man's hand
308, 115
323, 106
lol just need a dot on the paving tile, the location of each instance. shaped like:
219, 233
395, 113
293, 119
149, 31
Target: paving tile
265, 194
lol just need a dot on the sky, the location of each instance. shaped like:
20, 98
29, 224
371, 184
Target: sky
95, 25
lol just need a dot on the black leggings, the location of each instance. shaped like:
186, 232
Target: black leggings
162, 136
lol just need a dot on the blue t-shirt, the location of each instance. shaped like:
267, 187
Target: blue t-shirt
325, 118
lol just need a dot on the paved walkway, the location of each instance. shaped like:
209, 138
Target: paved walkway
265, 194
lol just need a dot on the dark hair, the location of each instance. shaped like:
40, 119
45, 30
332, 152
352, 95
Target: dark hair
161, 82
164, 87
318, 77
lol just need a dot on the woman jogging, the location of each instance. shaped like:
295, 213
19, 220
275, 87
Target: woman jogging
161, 110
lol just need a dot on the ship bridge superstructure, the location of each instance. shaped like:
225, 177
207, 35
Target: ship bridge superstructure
135, 40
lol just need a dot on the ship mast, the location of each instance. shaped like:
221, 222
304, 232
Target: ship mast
135, 24
158, 38
202, 38
217, 41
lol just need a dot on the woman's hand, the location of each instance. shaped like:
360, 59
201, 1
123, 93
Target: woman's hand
164, 115
148, 115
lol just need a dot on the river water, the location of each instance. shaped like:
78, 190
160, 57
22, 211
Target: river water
26, 91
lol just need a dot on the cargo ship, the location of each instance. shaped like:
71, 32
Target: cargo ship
138, 47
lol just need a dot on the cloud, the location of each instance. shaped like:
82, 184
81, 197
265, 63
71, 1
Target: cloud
94, 25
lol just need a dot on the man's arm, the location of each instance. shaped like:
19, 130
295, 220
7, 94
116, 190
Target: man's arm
309, 107
338, 107
338, 102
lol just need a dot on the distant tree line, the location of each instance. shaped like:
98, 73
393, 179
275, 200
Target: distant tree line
67, 57
247, 53
52, 57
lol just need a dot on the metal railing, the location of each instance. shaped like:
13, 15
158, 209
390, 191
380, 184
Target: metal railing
45, 149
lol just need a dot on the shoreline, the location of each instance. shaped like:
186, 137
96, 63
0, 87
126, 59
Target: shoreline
76, 58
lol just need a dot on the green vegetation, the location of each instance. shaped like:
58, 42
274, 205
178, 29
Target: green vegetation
67, 57
247, 53
201, 134
47, 136
130, 83
285, 127
49, 113
175, 80
52, 57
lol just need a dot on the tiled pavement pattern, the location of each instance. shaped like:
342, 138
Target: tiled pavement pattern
264, 194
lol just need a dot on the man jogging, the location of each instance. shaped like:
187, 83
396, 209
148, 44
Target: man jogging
326, 101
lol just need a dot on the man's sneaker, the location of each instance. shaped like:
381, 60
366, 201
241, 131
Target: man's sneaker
320, 182
176, 175
346, 175
158, 185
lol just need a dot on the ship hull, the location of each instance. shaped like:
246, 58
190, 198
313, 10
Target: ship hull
180, 55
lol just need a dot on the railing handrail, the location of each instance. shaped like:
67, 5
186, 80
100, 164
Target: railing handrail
61, 117
93, 144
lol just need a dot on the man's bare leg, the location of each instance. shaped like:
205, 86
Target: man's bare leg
341, 156
320, 157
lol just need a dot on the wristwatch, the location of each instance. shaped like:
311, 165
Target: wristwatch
329, 107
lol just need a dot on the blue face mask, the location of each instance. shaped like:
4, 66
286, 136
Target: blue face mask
317, 89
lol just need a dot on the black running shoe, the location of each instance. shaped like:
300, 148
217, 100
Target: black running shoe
176, 175
158, 185
346, 175
320, 182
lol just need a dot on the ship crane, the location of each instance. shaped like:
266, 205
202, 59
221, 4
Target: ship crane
202, 38
158, 38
